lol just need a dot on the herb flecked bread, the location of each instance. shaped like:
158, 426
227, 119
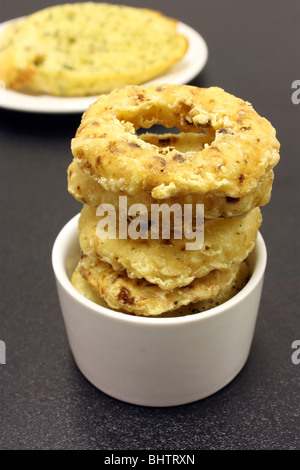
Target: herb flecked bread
88, 48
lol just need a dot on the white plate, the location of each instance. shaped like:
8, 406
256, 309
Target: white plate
183, 72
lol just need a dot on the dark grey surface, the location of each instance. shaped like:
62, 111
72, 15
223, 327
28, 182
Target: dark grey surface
45, 402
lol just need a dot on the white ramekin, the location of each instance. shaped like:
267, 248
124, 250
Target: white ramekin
151, 361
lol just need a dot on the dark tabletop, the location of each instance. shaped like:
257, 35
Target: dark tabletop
45, 402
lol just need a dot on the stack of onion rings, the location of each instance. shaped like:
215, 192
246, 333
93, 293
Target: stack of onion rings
222, 157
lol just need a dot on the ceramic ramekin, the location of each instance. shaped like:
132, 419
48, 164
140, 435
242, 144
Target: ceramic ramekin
151, 361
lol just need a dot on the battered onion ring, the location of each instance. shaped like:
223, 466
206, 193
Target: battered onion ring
138, 297
226, 293
241, 145
166, 262
229, 291
87, 190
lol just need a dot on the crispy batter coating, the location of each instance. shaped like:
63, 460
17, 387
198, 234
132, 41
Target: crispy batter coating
226, 293
229, 291
87, 190
84, 288
88, 48
139, 297
166, 262
241, 145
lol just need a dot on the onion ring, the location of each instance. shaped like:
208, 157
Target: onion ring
87, 190
138, 297
240, 147
166, 262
